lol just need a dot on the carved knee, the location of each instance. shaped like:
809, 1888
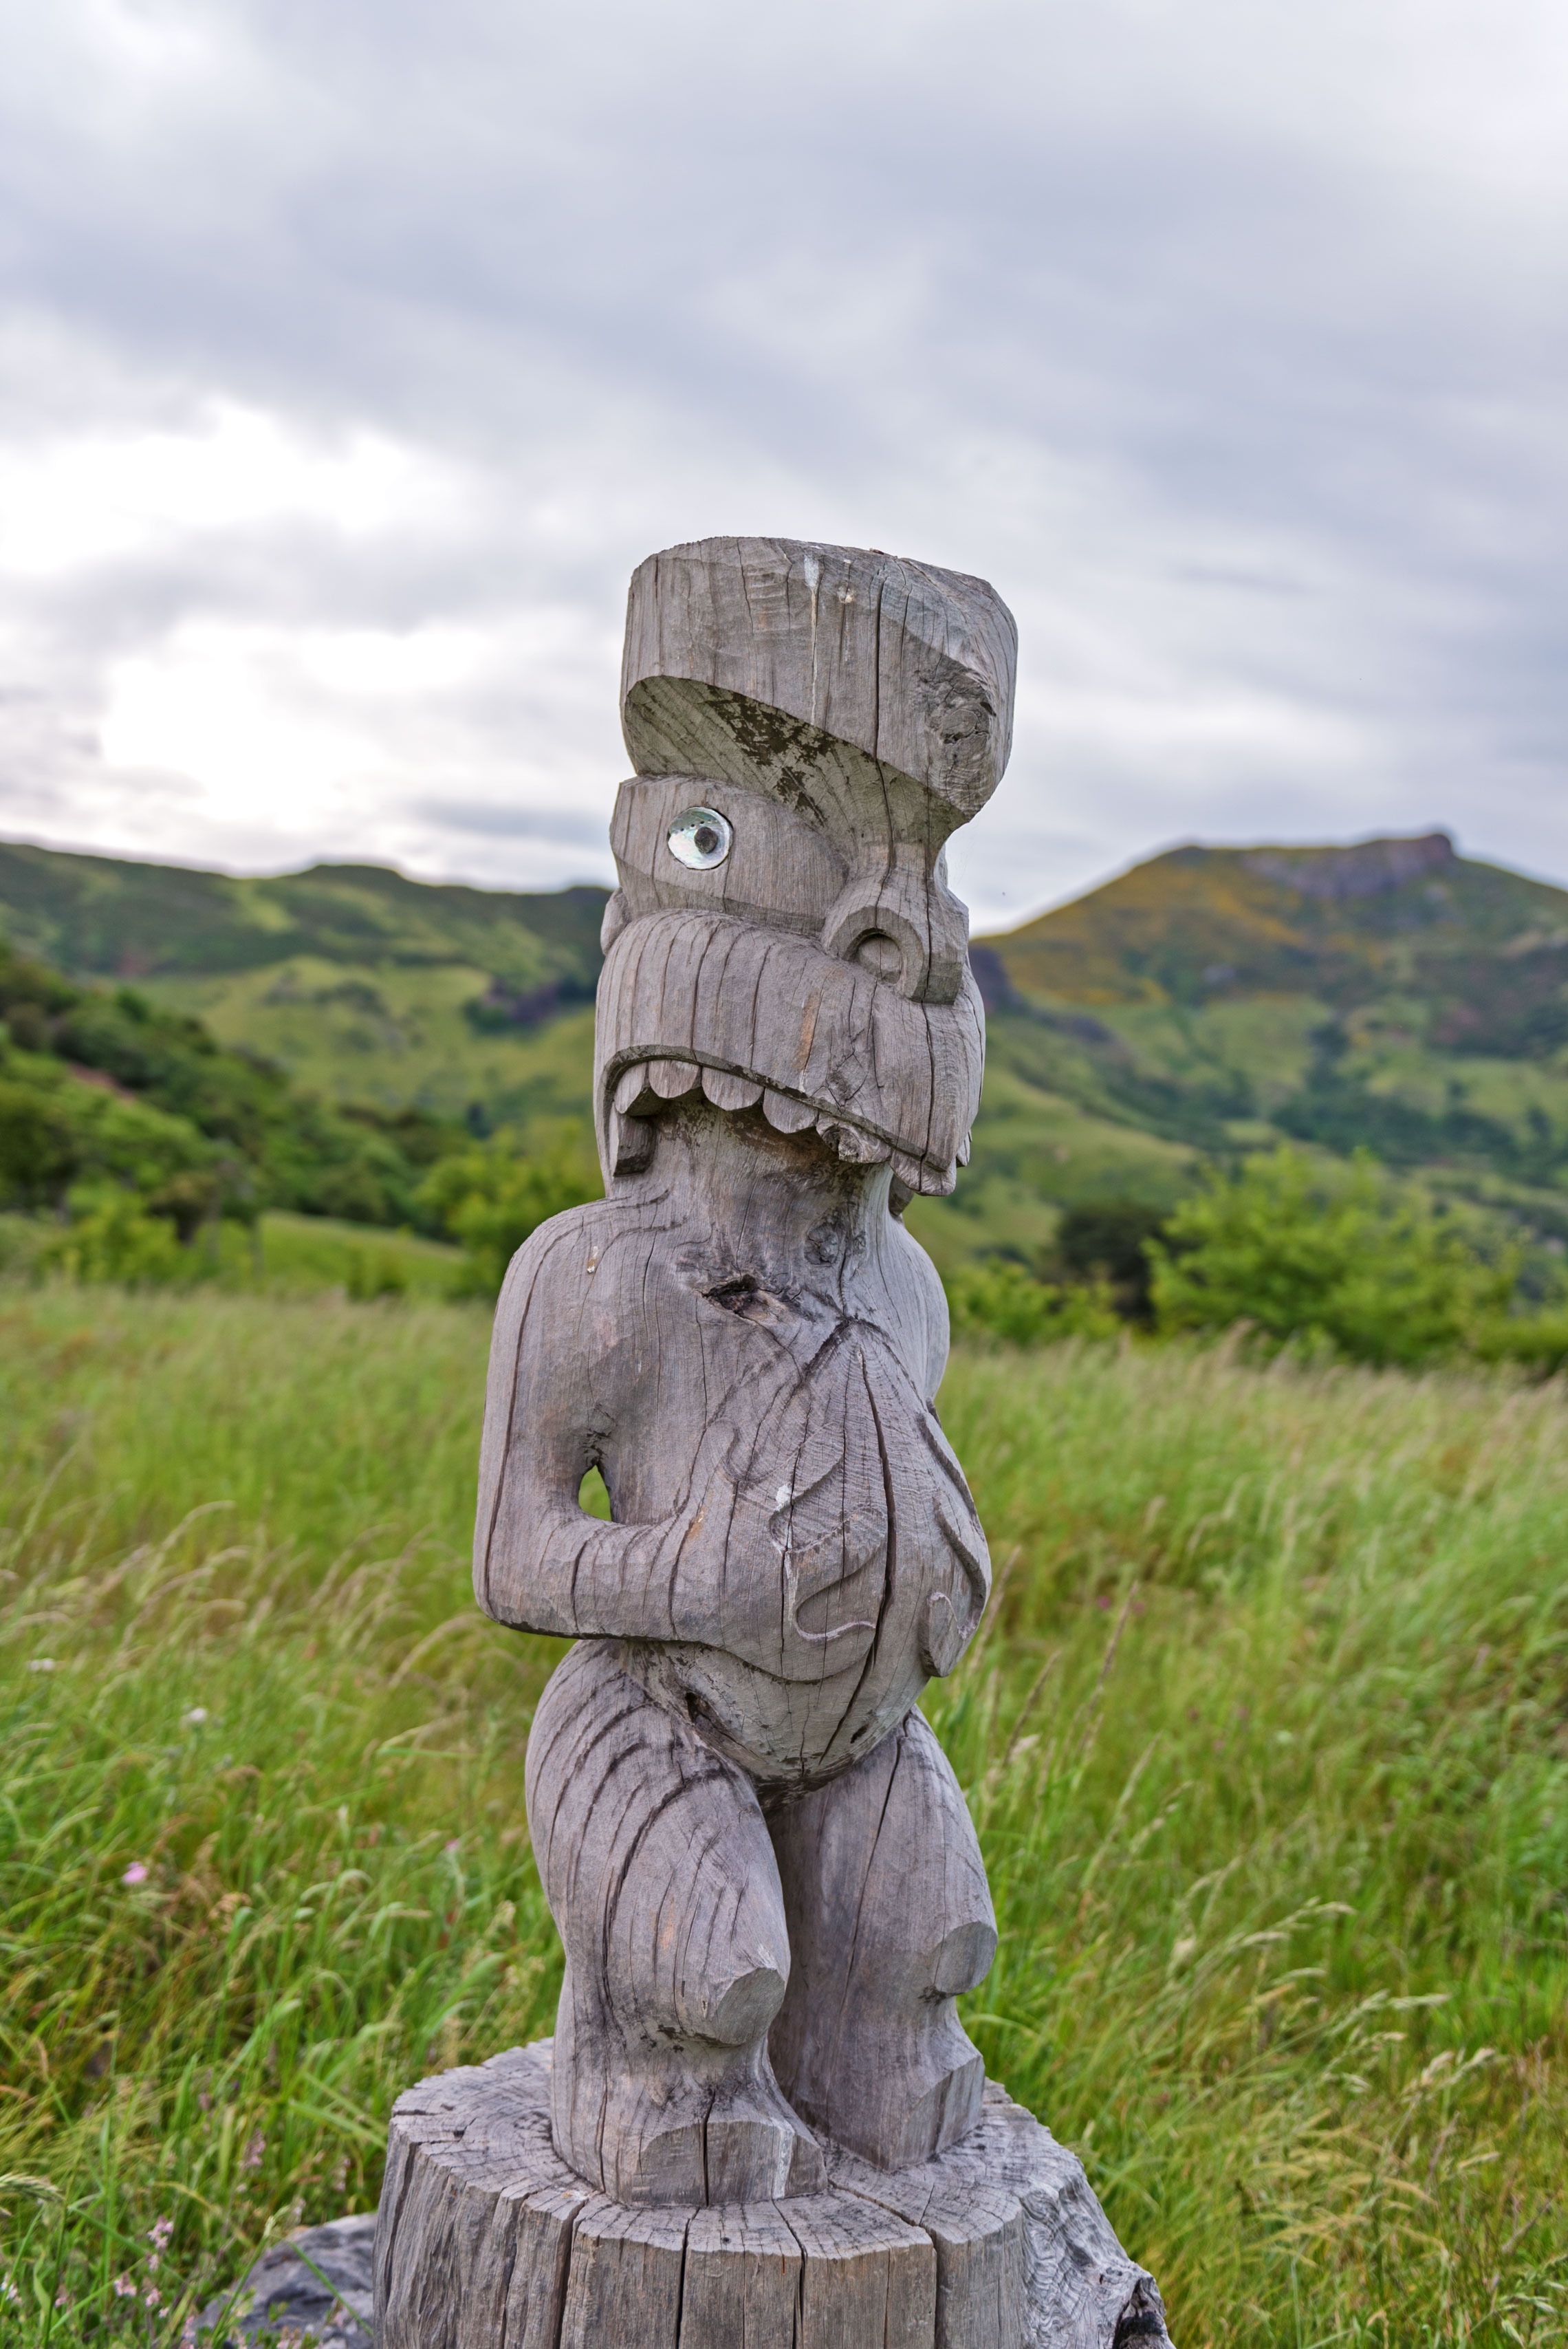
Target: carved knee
889, 1919
658, 1870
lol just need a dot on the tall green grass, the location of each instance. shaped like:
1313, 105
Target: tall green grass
1267, 1740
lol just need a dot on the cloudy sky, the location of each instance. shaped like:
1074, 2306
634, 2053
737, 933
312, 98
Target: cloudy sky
352, 352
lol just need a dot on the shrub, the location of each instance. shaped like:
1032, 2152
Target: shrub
112, 1237
1536, 1342
1000, 1299
1337, 1256
491, 1198
1106, 1240
37, 1147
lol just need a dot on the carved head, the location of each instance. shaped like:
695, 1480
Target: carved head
808, 725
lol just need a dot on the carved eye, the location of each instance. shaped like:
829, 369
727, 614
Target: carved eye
701, 838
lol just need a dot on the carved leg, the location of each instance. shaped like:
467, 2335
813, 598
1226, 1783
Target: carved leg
658, 1870
889, 1919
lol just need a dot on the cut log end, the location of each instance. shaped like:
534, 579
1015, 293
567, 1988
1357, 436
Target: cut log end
486, 2237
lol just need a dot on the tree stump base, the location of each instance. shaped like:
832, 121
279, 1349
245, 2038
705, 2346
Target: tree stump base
487, 2240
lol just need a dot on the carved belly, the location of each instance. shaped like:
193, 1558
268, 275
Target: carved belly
854, 1569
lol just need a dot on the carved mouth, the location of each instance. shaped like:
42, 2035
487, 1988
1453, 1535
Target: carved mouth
640, 1089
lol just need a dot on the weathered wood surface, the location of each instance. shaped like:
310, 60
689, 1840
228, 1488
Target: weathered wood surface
745, 1342
765, 1877
485, 2241
742, 2282
889, 1919
689, 998
803, 666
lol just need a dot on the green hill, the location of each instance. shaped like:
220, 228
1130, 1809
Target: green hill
1390, 994
362, 986
1209, 1002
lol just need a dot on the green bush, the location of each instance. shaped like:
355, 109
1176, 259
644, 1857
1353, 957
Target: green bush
1330, 1256
112, 1237
1106, 1240
491, 1198
101, 1083
373, 1273
1000, 1299
1536, 1342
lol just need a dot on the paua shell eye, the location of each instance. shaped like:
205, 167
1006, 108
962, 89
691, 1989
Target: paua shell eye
701, 838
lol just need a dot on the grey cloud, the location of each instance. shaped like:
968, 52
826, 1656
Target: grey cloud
559, 827
1240, 391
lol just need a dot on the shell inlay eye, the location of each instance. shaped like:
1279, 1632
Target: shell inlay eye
700, 837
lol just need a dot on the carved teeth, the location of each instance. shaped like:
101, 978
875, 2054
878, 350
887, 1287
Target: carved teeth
633, 1082
786, 1115
641, 1091
729, 1092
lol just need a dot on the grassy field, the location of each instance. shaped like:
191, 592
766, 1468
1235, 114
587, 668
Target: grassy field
1267, 1741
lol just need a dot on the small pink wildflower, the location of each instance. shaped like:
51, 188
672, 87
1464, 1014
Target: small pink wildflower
124, 2288
252, 2156
136, 1873
455, 1845
152, 2296
158, 2234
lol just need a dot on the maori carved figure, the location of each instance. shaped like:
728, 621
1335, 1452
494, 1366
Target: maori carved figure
759, 2120
762, 1868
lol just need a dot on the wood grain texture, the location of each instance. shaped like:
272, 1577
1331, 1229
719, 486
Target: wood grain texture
763, 1871
744, 1346
749, 658
657, 1867
627, 2273
742, 2282
486, 2241
865, 2276
889, 1919
475, 2228
706, 991
977, 2230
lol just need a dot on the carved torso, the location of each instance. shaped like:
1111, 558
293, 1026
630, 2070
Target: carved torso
753, 1345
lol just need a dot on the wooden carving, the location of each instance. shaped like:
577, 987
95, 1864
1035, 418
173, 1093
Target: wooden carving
759, 2120
762, 1868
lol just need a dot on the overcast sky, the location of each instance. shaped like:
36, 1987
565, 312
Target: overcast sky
352, 352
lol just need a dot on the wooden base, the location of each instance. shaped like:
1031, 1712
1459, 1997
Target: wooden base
487, 2240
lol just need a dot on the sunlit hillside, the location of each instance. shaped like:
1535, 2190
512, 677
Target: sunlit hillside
1390, 995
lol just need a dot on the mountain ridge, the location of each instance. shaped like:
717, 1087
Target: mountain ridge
1387, 992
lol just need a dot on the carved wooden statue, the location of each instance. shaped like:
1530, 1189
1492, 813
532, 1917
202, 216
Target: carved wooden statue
762, 1868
